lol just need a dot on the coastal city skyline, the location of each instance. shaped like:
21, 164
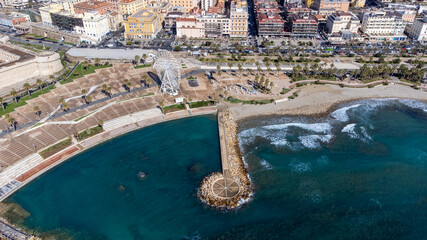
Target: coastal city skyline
264, 119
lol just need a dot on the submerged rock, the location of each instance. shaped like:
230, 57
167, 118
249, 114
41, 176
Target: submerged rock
142, 175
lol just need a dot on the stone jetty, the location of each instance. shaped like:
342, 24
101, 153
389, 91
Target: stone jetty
230, 188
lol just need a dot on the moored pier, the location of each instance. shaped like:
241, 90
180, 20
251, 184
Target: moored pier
231, 187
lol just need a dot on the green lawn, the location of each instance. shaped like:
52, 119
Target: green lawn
173, 108
90, 132
23, 101
201, 104
142, 66
80, 71
55, 148
235, 100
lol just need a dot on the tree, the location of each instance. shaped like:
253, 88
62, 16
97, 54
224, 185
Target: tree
85, 65
218, 67
14, 94
240, 70
10, 121
2, 102
128, 84
88, 99
39, 84
27, 87
52, 79
84, 91
144, 57
100, 122
37, 111
137, 59
97, 61
277, 65
230, 65
61, 100
65, 106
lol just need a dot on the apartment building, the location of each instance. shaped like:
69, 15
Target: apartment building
358, 3
170, 19
335, 5
270, 24
68, 5
383, 26
418, 30
206, 4
129, 7
13, 19
190, 28
238, 18
187, 4
144, 24
406, 15
114, 20
93, 5
338, 22
96, 27
291, 8
268, 19
303, 26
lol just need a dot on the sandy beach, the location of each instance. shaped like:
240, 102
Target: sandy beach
320, 99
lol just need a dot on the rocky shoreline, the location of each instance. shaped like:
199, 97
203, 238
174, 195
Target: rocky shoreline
236, 171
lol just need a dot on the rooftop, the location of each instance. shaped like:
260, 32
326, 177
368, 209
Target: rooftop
92, 4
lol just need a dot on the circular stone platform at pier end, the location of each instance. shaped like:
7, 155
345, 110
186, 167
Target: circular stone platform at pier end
225, 188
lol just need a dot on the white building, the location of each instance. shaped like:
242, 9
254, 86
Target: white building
206, 4
383, 26
96, 27
190, 27
338, 22
418, 30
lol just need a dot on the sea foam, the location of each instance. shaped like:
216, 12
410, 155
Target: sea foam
341, 114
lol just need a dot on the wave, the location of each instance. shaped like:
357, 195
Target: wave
266, 164
323, 160
341, 114
349, 129
299, 167
314, 141
414, 104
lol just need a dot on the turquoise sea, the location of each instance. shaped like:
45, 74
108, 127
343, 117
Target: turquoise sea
358, 173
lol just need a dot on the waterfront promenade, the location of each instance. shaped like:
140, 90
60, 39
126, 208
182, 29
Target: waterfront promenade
16, 176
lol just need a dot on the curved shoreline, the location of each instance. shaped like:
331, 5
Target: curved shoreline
319, 100
77, 148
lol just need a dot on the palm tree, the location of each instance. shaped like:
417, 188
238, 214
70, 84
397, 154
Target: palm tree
52, 79
65, 106
11, 121
230, 65
218, 67
277, 65
14, 94
267, 64
97, 61
100, 122
37, 111
137, 59
88, 99
84, 91
109, 91
39, 84
2, 102
259, 69
27, 87
61, 100
240, 70
128, 84
85, 64
144, 56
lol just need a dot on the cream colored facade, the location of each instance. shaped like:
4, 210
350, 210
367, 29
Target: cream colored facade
46, 11
68, 5
129, 7
190, 28
144, 24
187, 4
238, 19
